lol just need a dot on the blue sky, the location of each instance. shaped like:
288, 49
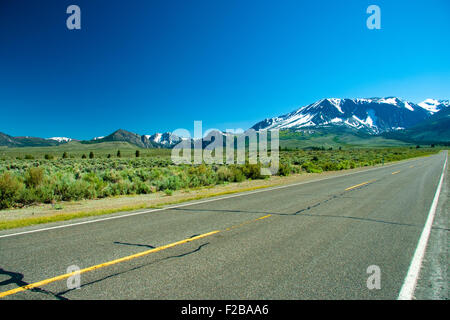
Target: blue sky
153, 66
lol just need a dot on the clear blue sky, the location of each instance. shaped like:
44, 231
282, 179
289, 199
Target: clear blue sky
151, 66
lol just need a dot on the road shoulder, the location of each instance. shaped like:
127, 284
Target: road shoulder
433, 280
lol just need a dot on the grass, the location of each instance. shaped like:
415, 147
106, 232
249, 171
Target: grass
334, 138
75, 149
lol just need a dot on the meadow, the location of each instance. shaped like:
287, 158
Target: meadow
75, 149
48, 178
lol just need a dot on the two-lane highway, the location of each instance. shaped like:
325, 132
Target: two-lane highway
311, 240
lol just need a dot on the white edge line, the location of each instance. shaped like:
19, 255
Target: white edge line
409, 284
198, 202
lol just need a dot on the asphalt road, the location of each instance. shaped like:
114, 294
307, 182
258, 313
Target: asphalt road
317, 243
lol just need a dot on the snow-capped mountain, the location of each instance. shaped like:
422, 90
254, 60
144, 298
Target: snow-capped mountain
433, 105
166, 139
60, 139
373, 115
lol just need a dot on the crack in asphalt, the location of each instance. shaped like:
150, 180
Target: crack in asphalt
17, 279
135, 268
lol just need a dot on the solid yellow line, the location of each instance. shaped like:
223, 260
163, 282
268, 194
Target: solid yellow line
359, 185
106, 264
269, 215
395, 172
247, 222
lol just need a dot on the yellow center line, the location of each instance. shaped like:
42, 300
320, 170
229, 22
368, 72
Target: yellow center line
395, 172
411, 166
127, 258
102, 265
359, 185
247, 222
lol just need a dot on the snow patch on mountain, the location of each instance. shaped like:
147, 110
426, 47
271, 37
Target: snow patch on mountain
433, 105
60, 139
336, 102
388, 100
408, 106
166, 139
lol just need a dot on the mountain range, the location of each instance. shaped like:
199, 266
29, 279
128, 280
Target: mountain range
390, 118
157, 140
373, 115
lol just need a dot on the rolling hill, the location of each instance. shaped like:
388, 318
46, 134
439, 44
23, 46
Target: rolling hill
125, 136
9, 141
435, 129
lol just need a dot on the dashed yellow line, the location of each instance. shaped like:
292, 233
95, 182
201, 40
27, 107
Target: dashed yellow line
359, 185
395, 172
102, 265
411, 166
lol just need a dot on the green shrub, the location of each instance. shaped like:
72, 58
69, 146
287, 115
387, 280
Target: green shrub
252, 171
329, 166
284, 169
238, 174
95, 182
225, 174
143, 188
34, 177
28, 196
311, 167
10, 188
45, 193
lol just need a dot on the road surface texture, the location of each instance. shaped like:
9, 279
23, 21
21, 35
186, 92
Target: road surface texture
312, 240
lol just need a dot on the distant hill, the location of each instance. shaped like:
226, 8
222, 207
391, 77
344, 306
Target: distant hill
333, 137
435, 129
157, 140
9, 141
126, 136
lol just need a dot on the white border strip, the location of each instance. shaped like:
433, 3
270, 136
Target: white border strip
200, 202
409, 284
